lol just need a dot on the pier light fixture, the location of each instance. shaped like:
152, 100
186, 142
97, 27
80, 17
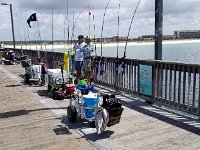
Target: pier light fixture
11, 15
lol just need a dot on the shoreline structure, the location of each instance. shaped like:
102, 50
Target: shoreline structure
62, 46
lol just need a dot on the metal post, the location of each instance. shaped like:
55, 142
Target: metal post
13, 32
158, 29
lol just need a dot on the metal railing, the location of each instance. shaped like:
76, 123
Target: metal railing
173, 84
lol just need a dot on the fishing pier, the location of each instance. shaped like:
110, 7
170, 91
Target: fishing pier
171, 84
165, 115
161, 102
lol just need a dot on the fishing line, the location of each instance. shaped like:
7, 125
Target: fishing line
130, 26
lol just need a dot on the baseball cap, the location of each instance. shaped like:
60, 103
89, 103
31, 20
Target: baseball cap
80, 36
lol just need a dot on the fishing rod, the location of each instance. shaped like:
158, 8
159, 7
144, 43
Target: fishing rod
25, 39
101, 60
130, 27
74, 24
28, 37
95, 46
19, 33
117, 59
66, 20
52, 28
39, 39
118, 31
103, 24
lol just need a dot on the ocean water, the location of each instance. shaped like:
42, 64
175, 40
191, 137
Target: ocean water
183, 52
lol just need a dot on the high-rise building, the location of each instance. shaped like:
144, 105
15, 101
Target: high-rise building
187, 34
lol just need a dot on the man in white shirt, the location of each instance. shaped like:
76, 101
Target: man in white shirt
2, 46
79, 55
88, 53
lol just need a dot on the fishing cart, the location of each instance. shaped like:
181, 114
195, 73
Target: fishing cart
99, 109
59, 84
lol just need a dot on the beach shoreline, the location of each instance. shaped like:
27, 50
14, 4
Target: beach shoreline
62, 46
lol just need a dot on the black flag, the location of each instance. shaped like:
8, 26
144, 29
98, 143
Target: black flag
31, 18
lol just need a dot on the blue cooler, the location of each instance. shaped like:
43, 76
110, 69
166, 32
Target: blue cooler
89, 104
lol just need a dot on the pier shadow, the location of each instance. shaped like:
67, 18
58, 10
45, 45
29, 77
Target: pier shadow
138, 106
22, 112
78, 124
184, 122
21, 76
42, 93
14, 113
95, 136
81, 124
13, 85
60, 130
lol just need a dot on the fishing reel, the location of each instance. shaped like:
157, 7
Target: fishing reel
120, 65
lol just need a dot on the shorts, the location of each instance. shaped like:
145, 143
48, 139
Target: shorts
78, 65
87, 66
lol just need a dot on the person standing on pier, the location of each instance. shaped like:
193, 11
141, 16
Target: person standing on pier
2, 46
87, 50
78, 55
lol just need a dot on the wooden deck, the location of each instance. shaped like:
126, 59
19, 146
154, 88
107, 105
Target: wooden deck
30, 120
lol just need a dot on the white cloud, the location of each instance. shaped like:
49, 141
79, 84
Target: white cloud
178, 14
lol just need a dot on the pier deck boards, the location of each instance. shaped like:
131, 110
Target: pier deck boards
29, 120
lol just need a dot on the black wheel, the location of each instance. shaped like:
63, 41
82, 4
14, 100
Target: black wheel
49, 88
92, 124
55, 97
149, 102
71, 113
26, 78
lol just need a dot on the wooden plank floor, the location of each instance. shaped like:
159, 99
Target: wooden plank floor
142, 126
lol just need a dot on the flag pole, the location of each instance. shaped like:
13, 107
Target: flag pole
52, 29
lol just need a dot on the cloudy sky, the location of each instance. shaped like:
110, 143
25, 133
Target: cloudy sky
178, 15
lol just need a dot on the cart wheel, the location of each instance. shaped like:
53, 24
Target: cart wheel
49, 88
92, 124
26, 78
71, 113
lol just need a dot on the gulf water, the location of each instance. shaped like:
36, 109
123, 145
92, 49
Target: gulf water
182, 52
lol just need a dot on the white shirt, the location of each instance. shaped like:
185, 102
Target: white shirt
78, 53
2, 46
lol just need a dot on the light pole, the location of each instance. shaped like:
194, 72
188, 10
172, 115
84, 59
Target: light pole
13, 33
158, 29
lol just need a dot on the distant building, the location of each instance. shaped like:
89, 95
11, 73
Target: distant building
152, 37
187, 34
147, 37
